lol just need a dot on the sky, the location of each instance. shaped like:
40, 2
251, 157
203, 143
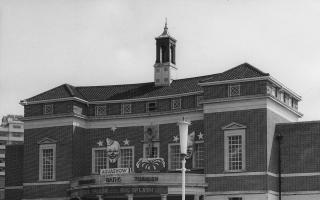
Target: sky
46, 43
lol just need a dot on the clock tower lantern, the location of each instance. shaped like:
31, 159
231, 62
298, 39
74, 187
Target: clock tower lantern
165, 64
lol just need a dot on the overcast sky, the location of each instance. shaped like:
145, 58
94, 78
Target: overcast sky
45, 43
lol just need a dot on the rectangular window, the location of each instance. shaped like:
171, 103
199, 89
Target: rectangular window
198, 155
101, 110
151, 150
151, 106
294, 104
47, 162
175, 157
234, 90
100, 158
126, 108
176, 104
234, 150
199, 99
48, 109
126, 157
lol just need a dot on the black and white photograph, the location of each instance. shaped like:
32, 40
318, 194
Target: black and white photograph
159, 100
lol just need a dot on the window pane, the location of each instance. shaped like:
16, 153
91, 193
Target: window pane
100, 160
175, 157
126, 158
47, 164
199, 155
235, 152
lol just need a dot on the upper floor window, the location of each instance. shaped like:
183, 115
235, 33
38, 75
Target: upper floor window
151, 150
48, 109
234, 147
294, 104
176, 104
234, 90
101, 110
175, 157
151, 106
126, 108
198, 155
199, 99
100, 159
47, 162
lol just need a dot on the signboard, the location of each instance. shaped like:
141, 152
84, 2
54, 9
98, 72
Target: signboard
127, 190
146, 178
115, 171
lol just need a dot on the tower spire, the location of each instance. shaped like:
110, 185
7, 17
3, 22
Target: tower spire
165, 30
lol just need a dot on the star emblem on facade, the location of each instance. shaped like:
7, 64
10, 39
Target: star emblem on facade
126, 142
200, 136
175, 138
100, 143
113, 128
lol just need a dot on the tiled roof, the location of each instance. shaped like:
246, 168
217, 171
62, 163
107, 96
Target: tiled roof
145, 90
242, 71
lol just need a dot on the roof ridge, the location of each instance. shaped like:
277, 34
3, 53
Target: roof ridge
69, 89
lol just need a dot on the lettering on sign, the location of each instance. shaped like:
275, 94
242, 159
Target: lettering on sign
115, 171
113, 179
146, 178
126, 190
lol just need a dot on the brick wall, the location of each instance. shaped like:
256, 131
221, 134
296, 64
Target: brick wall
14, 194
63, 135
14, 165
246, 88
48, 191
58, 108
256, 123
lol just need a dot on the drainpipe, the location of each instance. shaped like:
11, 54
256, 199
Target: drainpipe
279, 138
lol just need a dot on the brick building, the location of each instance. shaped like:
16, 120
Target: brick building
122, 141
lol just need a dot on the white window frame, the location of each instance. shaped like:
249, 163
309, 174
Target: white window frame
132, 149
199, 99
155, 144
230, 90
169, 153
123, 108
176, 104
148, 106
100, 106
93, 163
195, 157
234, 132
46, 107
41, 148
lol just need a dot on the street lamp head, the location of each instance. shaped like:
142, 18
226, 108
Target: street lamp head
183, 132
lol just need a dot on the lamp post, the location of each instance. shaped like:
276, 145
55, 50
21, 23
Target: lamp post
183, 132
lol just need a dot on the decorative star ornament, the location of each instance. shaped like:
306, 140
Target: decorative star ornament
113, 128
175, 138
100, 143
200, 136
126, 142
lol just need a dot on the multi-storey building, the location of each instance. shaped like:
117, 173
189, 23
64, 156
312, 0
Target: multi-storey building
122, 141
11, 132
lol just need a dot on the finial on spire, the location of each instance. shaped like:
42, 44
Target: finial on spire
165, 30
166, 25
